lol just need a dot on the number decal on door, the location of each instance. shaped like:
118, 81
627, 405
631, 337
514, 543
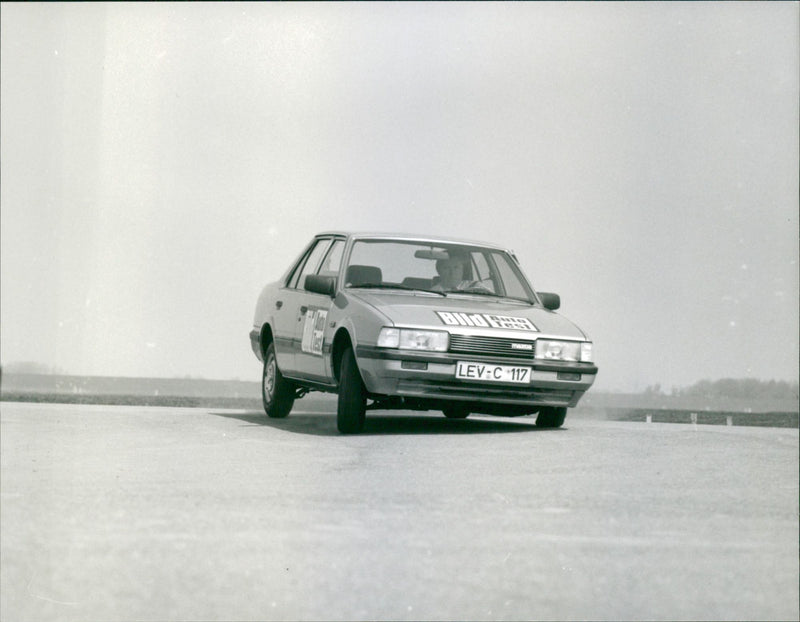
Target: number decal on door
313, 331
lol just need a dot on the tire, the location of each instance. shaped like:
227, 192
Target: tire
352, 406
455, 411
551, 416
277, 393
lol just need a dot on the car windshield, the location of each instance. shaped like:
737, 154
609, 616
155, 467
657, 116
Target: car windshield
450, 269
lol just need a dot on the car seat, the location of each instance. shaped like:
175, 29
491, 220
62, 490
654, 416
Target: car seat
416, 282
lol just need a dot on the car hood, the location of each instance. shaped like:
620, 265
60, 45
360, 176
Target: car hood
470, 314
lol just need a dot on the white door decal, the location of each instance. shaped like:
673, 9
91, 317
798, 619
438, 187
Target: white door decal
313, 331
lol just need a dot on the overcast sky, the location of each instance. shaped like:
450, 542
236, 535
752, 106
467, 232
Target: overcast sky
162, 162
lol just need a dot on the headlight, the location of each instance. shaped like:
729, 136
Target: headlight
563, 350
410, 339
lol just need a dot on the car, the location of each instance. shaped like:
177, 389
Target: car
412, 322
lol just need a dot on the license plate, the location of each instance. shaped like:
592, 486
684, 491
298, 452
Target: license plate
492, 373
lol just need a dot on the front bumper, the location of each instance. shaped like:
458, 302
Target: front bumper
384, 373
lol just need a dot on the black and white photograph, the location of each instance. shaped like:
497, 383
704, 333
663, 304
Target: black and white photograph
399, 311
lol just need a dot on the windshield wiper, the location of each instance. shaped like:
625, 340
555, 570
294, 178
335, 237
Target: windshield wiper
403, 287
484, 292
474, 291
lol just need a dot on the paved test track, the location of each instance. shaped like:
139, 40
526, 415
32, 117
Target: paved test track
122, 513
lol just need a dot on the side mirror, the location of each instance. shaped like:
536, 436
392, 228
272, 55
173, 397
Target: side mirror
318, 284
550, 301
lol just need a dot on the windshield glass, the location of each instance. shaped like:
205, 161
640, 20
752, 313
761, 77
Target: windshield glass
441, 268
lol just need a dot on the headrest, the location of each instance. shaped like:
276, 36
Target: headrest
363, 275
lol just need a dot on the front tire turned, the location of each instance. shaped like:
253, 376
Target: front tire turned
277, 393
352, 405
551, 416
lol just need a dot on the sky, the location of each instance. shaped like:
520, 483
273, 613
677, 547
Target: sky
161, 162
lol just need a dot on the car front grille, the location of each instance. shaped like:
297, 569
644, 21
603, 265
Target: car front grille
492, 346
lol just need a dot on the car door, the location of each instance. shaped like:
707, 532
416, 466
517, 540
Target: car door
313, 330
291, 306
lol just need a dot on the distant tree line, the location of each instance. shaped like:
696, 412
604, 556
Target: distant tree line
734, 388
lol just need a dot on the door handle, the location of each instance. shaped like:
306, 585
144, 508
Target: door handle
279, 304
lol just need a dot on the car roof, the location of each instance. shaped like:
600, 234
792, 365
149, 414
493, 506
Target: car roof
361, 235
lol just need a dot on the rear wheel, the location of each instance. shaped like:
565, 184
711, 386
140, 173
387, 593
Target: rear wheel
277, 393
551, 416
352, 405
455, 411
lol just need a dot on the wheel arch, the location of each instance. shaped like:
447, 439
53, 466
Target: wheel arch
265, 338
341, 341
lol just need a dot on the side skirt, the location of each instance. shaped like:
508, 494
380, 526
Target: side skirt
306, 386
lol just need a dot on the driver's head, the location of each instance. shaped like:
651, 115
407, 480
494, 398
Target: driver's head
451, 271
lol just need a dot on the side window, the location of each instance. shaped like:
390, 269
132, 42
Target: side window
310, 263
330, 265
292, 280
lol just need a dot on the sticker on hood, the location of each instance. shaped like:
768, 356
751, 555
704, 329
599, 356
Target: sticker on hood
485, 320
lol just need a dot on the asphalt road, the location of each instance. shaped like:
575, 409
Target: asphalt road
128, 513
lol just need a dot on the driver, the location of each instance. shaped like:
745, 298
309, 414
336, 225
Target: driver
451, 274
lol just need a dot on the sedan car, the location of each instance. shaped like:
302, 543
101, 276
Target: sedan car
417, 323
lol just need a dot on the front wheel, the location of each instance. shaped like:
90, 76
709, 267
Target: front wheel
277, 393
551, 416
352, 405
